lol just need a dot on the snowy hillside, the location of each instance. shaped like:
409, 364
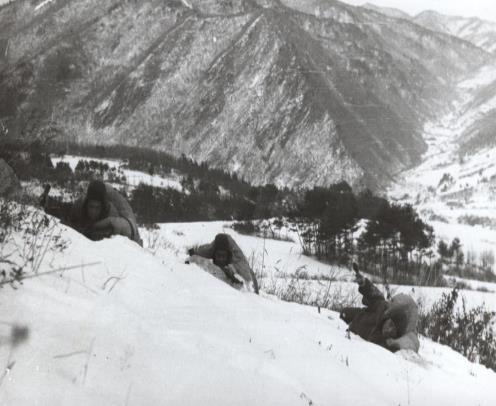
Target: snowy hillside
475, 30
133, 177
134, 329
479, 32
276, 261
389, 11
455, 187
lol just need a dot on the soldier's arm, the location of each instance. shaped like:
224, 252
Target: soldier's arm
371, 294
349, 313
241, 264
58, 209
205, 251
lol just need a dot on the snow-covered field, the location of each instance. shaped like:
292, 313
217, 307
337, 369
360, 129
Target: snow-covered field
143, 329
281, 259
133, 178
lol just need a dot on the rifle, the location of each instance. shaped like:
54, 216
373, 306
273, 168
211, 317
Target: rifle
44, 196
358, 276
54, 207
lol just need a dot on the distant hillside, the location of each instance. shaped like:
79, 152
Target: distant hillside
389, 11
475, 30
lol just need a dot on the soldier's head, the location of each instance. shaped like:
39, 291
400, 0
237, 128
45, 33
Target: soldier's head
96, 201
389, 329
222, 251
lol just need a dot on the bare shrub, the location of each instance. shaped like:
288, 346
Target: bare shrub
469, 332
154, 242
313, 290
271, 229
28, 238
487, 260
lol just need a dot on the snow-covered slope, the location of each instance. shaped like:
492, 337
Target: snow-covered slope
138, 330
455, 185
276, 261
133, 177
389, 11
475, 30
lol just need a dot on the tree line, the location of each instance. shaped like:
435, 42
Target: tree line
334, 223
387, 239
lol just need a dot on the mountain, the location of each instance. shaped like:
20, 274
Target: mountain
479, 113
287, 91
389, 11
475, 30
454, 187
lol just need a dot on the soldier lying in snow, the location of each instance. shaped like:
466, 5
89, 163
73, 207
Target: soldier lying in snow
101, 213
392, 324
227, 255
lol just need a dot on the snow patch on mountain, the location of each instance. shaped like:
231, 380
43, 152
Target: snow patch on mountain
43, 4
475, 30
389, 11
485, 76
133, 177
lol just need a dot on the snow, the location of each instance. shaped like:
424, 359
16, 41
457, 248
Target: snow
485, 76
472, 190
272, 255
133, 177
42, 4
281, 259
187, 4
140, 329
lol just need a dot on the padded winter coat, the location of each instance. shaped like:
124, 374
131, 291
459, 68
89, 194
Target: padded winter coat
238, 262
117, 207
404, 312
367, 321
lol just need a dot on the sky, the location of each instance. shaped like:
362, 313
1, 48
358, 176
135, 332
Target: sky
485, 9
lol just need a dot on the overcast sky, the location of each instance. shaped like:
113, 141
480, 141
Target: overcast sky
485, 9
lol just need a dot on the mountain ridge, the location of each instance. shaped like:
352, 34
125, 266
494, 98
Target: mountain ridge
337, 96
389, 11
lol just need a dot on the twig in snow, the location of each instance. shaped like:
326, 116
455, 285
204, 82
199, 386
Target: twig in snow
82, 285
90, 352
306, 398
71, 354
8, 368
271, 353
128, 395
82, 274
11, 281
112, 278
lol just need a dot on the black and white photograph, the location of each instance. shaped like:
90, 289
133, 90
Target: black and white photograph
247, 203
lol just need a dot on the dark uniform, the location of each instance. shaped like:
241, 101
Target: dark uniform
114, 207
237, 262
368, 321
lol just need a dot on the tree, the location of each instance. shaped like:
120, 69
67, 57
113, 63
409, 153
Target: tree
188, 184
62, 173
456, 253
